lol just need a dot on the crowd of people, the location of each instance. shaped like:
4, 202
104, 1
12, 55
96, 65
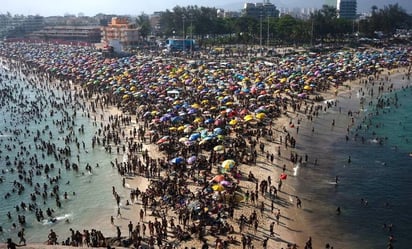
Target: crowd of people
198, 128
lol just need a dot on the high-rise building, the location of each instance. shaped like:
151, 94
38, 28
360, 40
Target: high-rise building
261, 9
347, 9
331, 3
121, 30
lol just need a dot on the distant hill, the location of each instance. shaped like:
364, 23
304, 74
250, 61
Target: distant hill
363, 5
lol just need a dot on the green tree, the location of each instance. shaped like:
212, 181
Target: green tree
143, 23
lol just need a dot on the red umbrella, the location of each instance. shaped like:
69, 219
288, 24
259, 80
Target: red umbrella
283, 176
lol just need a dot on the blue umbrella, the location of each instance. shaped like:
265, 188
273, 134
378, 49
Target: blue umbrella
209, 121
177, 160
191, 111
217, 131
163, 119
176, 119
194, 136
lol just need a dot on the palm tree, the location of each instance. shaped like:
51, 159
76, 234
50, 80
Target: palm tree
143, 23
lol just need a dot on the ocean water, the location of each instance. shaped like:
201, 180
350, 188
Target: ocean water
89, 202
374, 186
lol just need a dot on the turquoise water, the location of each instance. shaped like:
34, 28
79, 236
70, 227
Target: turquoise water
378, 173
89, 202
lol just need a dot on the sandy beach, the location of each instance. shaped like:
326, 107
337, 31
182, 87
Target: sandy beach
292, 228
283, 213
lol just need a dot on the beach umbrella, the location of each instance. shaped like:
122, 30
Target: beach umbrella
176, 119
209, 121
219, 148
187, 129
228, 164
177, 160
248, 118
260, 115
195, 106
163, 119
194, 136
218, 178
218, 131
218, 187
233, 122
226, 183
191, 160
163, 140
183, 139
191, 111
198, 120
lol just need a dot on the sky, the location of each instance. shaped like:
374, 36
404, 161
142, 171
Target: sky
137, 7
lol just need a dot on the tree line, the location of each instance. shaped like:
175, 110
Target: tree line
323, 25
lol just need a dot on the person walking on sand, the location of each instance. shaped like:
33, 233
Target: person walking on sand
119, 233
278, 216
130, 226
298, 202
265, 243
271, 229
20, 234
11, 244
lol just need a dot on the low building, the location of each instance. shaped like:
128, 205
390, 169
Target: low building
89, 34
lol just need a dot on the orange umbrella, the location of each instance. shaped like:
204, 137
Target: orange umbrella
218, 178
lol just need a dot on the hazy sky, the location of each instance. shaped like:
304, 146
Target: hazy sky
136, 7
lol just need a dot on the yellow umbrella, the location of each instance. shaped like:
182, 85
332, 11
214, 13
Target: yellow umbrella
198, 120
248, 118
172, 128
218, 187
181, 128
228, 164
260, 115
307, 87
233, 122
196, 106
219, 148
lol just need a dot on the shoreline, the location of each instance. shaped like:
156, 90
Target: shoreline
260, 170
319, 145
